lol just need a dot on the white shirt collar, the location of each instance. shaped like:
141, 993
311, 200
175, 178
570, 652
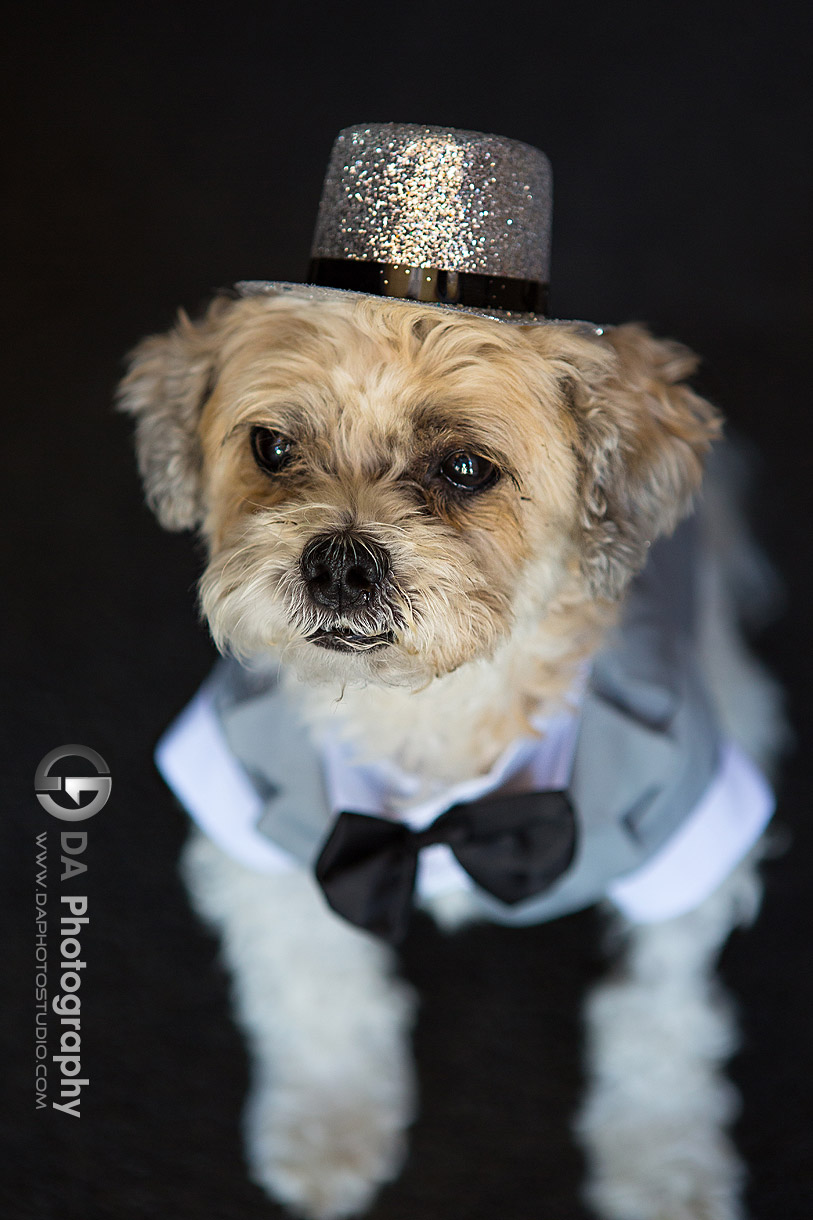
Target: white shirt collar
531, 763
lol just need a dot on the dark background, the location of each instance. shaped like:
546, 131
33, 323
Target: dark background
156, 152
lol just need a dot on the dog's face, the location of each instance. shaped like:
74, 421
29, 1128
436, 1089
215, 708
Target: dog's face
388, 491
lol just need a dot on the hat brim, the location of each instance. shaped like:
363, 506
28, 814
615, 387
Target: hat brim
316, 292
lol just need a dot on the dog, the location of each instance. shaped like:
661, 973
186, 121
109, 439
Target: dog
423, 530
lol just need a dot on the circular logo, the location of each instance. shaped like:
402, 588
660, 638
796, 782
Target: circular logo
73, 785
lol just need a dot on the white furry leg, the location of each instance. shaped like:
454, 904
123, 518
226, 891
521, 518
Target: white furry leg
652, 1124
326, 1025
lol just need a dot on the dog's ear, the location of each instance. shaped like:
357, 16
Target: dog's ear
640, 437
170, 377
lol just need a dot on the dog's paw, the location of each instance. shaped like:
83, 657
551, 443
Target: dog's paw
322, 1155
669, 1179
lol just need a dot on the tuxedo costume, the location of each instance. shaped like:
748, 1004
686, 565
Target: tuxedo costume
662, 806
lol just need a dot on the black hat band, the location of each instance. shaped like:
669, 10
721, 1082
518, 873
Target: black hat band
469, 289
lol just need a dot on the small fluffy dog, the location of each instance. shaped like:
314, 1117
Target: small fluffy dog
428, 522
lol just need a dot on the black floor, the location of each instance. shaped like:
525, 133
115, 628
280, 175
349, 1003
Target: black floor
157, 152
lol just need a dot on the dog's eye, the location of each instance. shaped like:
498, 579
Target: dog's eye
271, 449
468, 471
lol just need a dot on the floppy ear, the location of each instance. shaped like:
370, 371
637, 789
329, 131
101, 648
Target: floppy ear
641, 437
170, 377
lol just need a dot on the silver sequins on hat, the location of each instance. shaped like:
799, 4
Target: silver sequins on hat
437, 197
432, 215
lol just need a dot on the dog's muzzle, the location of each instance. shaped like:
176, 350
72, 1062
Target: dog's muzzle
344, 575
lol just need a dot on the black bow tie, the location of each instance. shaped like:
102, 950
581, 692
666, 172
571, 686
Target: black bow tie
512, 846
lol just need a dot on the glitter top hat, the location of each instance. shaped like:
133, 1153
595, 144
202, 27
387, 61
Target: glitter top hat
456, 219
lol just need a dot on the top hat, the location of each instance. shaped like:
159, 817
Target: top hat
456, 219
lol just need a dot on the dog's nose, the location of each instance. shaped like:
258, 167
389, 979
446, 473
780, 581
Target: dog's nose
342, 571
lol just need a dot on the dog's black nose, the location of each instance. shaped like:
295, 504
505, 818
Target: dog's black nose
342, 571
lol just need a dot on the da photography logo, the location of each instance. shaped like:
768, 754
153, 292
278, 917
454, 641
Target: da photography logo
73, 785
60, 962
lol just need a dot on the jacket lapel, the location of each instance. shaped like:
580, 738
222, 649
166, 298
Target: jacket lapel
275, 748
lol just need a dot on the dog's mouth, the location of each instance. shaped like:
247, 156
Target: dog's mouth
343, 639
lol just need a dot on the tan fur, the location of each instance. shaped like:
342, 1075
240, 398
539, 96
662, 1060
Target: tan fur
495, 598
